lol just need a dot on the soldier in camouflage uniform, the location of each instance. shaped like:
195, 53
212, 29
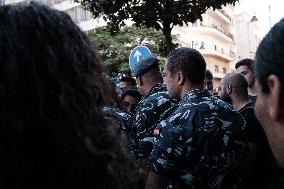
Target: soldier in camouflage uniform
199, 142
115, 115
155, 102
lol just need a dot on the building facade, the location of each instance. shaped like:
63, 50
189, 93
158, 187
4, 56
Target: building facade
82, 17
248, 35
214, 37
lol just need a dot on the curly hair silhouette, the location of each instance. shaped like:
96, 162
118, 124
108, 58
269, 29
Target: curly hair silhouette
52, 129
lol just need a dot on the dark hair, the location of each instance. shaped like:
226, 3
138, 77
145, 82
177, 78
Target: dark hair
154, 74
246, 62
270, 57
190, 62
52, 129
208, 75
129, 80
129, 91
110, 96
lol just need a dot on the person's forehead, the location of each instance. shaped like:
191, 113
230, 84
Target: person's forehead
123, 83
243, 68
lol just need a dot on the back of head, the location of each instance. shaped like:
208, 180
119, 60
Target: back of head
110, 96
51, 88
238, 82
270, 57
190, 62
270, 78
246, 62
153, 75
130, 80
148, 68
130, 91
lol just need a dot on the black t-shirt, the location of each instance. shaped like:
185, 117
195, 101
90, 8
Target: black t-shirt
262, 167
255, 132
252, 99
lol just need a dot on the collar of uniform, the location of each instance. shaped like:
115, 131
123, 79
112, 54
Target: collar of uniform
196, 93
248, 105
155, 88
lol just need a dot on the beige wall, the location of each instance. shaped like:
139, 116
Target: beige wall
248, 36
216, 31
211, 62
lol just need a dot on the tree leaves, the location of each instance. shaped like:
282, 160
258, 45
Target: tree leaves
159, 14
115, 49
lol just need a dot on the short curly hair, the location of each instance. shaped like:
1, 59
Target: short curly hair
246, 62
189, 61
52, 129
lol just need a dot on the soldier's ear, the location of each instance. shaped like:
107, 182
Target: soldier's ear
275, 110
139, 80
180, 77
229, 89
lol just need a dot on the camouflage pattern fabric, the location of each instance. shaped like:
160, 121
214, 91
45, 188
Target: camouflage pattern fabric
148, 112
199, 142
125, 122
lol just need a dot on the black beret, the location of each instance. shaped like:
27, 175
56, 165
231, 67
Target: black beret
145, 64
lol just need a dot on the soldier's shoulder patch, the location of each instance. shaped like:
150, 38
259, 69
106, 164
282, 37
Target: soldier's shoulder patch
157, 132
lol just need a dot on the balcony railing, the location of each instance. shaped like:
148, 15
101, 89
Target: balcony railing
225, 14
218, 74
222, 31
227, 56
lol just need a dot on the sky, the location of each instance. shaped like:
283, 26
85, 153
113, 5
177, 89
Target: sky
260, 8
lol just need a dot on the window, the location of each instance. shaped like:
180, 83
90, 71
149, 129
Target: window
224, 71
216, 69
215, 47
222, 50
195, 44
202, 45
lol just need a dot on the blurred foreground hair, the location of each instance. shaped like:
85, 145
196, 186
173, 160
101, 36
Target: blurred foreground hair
52, 130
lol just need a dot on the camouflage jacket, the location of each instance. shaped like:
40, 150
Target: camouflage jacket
148, 113
124, 120
198, 142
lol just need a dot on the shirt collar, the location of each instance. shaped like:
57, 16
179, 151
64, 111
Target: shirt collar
155, 88
195, 93
248, 105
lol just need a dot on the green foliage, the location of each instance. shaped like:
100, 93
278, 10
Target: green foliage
162, 15
115, 49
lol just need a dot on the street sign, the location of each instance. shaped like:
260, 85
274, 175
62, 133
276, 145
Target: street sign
137, 54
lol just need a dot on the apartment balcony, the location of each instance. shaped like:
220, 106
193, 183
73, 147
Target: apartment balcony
218, 54
65, 5
223, 15
220, 15
218, 75
215, 31
6, 2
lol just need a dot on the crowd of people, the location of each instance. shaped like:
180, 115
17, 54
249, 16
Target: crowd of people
63, 123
